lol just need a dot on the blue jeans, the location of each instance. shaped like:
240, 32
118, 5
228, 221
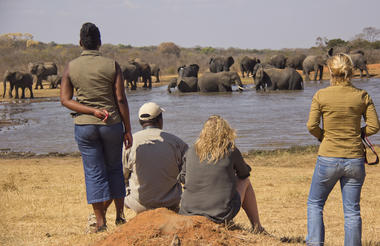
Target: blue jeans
101, 150
351, 174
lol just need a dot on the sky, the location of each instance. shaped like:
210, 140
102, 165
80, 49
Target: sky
246, 24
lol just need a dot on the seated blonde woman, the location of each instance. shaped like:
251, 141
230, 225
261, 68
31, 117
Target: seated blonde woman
215, 177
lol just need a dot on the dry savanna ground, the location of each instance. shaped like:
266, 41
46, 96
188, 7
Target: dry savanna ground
373, 69
43, 201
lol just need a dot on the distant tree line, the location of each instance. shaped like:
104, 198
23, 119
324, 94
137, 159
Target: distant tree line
18, 49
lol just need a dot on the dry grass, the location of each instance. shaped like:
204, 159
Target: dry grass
43, 200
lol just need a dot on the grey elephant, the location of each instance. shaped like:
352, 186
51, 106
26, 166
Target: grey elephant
144, 71
296, 61
187, 80
277, 79
247, 64
130, 74
188, 71
18, 80
184, 84
41, 71
155, 71
315, 63
360, 62
54, 81
278, 61
219, 82
220, 63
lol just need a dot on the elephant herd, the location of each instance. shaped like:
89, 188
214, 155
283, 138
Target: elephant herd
316, 62
21, 80
221, 79
279, 73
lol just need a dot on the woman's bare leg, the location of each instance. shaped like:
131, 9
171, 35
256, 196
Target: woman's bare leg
248, 201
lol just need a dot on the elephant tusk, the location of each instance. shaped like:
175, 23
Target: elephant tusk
241, 88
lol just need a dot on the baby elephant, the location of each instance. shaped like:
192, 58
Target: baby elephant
277, 79
54, 81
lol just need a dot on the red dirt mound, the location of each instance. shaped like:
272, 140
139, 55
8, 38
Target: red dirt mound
161, 226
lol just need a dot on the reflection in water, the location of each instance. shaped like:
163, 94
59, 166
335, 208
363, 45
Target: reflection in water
263, 120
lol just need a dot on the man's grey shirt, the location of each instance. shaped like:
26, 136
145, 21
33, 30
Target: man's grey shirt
151, 167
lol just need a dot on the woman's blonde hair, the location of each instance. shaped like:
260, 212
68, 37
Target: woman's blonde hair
341, 68
216, 139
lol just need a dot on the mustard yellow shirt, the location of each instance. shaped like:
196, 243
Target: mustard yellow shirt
341, 109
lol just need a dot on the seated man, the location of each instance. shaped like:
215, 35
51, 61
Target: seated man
152, 164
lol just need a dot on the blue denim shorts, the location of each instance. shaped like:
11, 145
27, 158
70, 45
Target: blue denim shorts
101, 150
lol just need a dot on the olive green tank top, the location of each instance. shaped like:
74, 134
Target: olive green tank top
93, 77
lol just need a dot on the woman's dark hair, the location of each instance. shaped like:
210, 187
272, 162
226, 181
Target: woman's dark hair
90, 36
153, 121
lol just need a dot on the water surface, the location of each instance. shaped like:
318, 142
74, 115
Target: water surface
262, 120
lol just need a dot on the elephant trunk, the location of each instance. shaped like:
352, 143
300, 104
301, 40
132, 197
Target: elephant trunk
239, 83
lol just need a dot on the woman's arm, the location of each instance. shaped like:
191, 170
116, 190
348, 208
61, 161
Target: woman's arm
66, 95
122, 104
241, 167
315, 120
371, 118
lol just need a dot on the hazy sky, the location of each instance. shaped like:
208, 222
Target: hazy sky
273, 24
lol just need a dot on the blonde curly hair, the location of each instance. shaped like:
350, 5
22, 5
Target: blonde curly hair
341, 68
216, 139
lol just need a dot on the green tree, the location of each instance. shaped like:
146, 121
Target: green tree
336, 42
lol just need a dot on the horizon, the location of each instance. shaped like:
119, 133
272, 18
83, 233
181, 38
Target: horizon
223, 24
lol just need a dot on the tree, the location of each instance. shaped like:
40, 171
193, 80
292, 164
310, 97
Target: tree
336, 42
169, 48
321, 42
371, 33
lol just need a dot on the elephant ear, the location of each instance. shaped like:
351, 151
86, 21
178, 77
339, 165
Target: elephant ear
230, 60
259, 73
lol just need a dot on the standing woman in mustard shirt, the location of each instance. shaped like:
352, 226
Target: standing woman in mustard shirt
101, 123
341, 152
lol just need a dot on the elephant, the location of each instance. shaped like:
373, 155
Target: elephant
315, 63
220, 63
143, 70
219, 82
41, 71
360, 62
187, 80
130, 74
54, 81
247, 64
296, 61
184, 84
277, 79
188, 71
18, 80
278, 61
155, 71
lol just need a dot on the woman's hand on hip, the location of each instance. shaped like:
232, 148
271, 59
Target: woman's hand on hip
101, 114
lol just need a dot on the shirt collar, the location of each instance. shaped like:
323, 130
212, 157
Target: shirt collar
90, 53
151, 127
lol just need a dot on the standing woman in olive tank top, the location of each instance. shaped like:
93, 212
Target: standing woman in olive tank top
101, 123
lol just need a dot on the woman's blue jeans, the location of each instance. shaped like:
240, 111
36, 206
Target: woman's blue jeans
101, 150
328, 171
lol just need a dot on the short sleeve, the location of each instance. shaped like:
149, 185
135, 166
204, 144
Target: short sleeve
241, 167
